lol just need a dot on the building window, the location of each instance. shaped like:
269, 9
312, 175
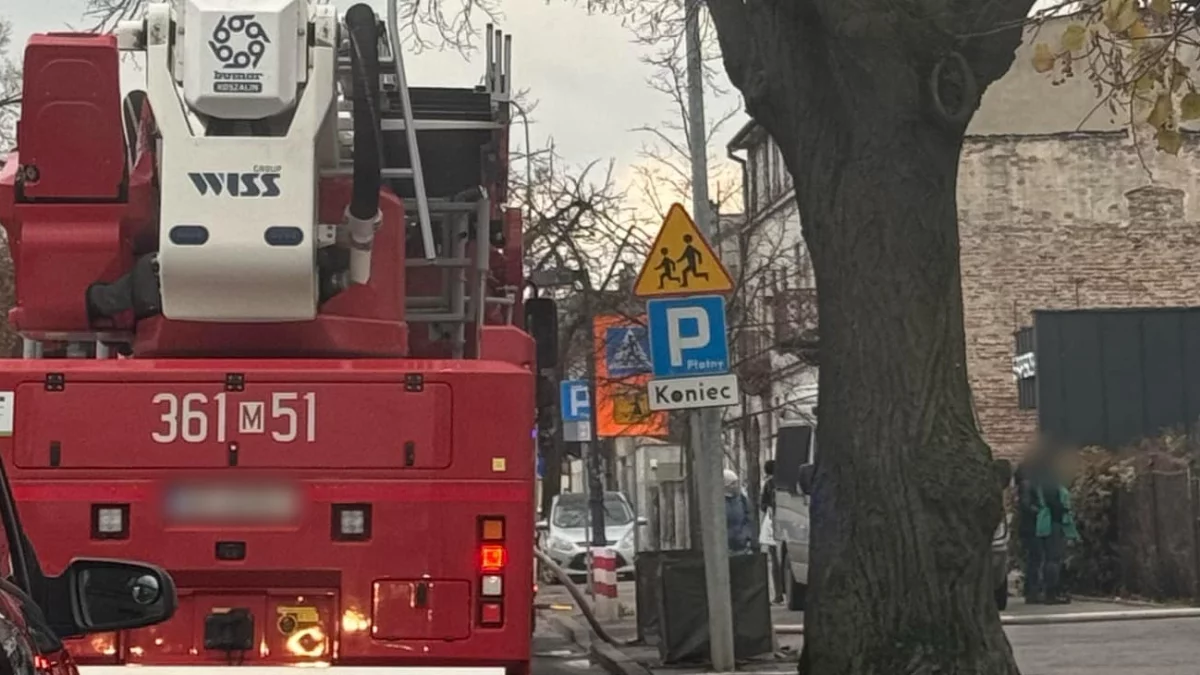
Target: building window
752, 182
1024, 368
785, 175
761, 176
777, 175
769, 174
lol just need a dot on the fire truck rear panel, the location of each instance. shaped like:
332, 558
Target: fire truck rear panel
359, 512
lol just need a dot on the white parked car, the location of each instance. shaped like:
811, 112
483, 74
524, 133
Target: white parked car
566, 534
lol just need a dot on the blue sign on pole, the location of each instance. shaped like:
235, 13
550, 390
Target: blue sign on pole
626, 351
688, 336
575, 401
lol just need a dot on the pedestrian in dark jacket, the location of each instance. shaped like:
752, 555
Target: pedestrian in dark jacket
1027, 511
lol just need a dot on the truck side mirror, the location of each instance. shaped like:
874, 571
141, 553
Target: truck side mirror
107, 595
807, 474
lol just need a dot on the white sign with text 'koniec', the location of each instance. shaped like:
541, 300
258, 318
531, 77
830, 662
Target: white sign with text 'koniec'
713, 391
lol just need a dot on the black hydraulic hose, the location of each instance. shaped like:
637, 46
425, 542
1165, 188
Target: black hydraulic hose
576, 594
363, 27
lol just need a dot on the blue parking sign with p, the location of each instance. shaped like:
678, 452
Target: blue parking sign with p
575, 401
688, 336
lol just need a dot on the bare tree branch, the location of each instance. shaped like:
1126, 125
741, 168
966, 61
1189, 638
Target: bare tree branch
10, 90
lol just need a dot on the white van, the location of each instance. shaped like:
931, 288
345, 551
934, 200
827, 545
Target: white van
795, 452
795, 446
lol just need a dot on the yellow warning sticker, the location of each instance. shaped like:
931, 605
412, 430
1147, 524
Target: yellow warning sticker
631, 406
291, 619
303, 615
499, 464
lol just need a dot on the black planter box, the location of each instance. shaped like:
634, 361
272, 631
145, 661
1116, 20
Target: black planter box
672, 605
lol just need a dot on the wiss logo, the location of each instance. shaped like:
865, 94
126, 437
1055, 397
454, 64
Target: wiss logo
257, 184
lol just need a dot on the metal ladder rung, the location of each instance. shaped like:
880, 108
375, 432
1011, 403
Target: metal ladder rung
343, 63
445, 206
436, 317
393, 124
426, 302
347, 170
439, 262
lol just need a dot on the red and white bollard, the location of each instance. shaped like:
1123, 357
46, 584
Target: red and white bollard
604, 583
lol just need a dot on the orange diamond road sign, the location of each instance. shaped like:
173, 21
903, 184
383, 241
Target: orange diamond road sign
681, 261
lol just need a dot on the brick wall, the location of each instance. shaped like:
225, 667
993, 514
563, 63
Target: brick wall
1066, 221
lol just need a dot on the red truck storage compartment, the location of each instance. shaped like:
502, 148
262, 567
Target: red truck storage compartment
161, 425
282, 628
421, 609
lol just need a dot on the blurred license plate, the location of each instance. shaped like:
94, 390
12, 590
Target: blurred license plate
232, 504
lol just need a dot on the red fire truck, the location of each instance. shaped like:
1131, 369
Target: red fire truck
274, 340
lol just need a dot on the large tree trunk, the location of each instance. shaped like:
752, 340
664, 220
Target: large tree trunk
905, 500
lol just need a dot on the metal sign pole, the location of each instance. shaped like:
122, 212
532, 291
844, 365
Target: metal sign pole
706, 423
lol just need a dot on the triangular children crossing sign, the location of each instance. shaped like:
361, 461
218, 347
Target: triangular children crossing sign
681, 261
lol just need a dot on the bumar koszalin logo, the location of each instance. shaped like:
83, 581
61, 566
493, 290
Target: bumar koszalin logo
244, 54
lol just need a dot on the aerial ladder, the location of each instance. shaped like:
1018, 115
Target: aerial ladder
292, 118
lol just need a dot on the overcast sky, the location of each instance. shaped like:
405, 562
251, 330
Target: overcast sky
583, 70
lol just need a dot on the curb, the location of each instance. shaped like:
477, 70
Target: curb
570, 629
614, 661
1100, 617
1121, 601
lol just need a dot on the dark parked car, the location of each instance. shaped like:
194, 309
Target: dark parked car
92, 595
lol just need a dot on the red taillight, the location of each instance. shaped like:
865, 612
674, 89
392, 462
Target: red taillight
490, 614
492, 557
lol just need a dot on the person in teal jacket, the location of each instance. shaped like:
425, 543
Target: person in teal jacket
1055, 527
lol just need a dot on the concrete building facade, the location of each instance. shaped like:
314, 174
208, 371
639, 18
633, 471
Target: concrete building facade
773, 312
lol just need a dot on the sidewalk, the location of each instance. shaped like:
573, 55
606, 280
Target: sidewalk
628, 657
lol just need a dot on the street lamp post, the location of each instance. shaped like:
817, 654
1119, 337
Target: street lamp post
590, 450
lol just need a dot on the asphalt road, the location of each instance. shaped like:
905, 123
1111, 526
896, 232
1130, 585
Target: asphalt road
1160, 647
